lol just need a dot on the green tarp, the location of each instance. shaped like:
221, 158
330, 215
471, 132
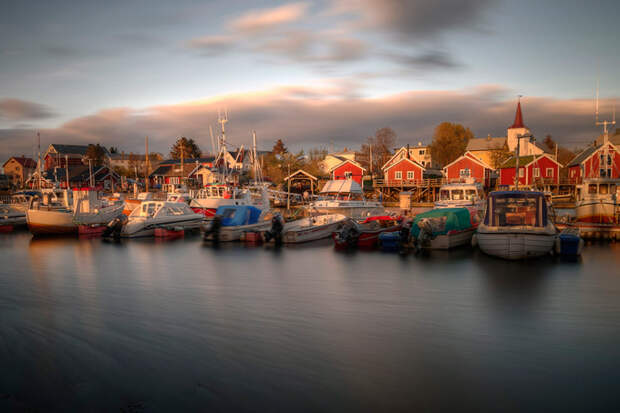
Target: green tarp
455, 219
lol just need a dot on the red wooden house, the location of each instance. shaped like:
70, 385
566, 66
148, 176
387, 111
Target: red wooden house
596, 161
533, 169
348, 169
468, 166
403, 171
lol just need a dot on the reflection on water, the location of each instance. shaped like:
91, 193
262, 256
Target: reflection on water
146, 325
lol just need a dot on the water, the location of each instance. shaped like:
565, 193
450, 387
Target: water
177, 326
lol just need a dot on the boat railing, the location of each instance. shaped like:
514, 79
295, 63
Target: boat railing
409, 182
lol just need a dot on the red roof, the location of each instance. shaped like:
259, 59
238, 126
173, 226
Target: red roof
25, 162
518, 118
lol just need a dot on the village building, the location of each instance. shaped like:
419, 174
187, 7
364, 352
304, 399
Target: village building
536, 170
420, 154
486, 149
403, 171
58, 155
130, 161
18, 169
169, 171
331, 160
468, 166
348, 169
596, 161
103, 178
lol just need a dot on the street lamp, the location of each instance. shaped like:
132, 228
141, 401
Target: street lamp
519, 137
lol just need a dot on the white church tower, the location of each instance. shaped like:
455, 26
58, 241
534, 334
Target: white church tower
518, 128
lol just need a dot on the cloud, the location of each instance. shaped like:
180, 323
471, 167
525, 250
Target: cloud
415, 19
213, 45
308, 47
307, 117
16, 110
432, 59
263, 20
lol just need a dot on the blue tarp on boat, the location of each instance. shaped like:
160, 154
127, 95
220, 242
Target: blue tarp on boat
456, 219
236, 215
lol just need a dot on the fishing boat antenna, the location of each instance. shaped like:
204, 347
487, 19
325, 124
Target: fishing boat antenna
603, 123
213, 151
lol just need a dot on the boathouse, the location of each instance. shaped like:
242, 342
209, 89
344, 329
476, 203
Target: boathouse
468, 166
348, 169
533, 170
596, 161
403, 171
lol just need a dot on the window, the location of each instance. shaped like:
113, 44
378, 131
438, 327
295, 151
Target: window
602, 173
465, 173
521, 172
572, 173
410, 175
603, 189
608, 159
549, 172
457, 195
470, 194
592, 189
348, 175
421, 151
398, 175
536, 172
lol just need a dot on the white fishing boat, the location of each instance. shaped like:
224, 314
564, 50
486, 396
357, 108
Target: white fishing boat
61, 212
10, 216
312, 228
157, 214
516, 226
466, 194
345, 196
234, 220
597, 201
207, 200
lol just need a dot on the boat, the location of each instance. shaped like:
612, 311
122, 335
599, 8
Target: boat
444, 228
312, 228
11, 217
516, 226
159, 214
463, 194
234, 221
133, 203
597, 201
207, 200
345, 196
62, 211
365, 234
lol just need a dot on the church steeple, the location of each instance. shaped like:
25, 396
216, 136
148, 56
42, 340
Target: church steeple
518, 117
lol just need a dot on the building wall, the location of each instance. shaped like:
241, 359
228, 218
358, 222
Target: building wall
348, 167
574, 173
477, 170
507, 175
592, 165
403, 166
58, 161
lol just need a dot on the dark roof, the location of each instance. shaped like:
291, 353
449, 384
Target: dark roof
74, 149
518, 123
485, 144
126, 156
172, 170
23, 161
188, 161
512, 161
577, 160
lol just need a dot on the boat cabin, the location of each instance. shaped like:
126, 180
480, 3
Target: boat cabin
461, 192
598, 188
150, 209
516, 208
342, 190
237, 215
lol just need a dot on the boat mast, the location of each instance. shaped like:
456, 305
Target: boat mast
146, 160
39, 159
605, 124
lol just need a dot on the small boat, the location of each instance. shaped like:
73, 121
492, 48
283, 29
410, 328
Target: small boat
444, 228
597, 201
234, 220
131, 204
11, 216
516, 226
467, 194
312, 228
345, 197
156, 214
569, 243
365, 234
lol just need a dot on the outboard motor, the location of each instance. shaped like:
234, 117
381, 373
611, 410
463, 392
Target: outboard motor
403, 239
275, 232
349, 235
114, 227
214, 229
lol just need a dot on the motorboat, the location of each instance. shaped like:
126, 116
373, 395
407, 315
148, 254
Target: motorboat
467, 194
234, 220
444, 228
345, 196
365, 234
312, 228
516, 226
11, 216
179, 197
62, 211
597, 201
207, 200
160, 214
133, 203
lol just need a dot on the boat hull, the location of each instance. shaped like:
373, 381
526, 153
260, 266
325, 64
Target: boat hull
301, 233
147, 228
599, 212
50, 222
355, 212
516, 244
235, 233
453, 239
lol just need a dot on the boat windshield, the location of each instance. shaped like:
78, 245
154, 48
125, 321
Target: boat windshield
457, 195
470, 194
522, 210
603, 189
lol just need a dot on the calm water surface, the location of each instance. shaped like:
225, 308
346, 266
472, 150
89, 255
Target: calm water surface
175, 326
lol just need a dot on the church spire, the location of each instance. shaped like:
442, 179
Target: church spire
518, 117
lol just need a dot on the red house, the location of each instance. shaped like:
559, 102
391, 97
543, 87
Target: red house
402, 172
596, 161
533, 169
348, 169
468, 166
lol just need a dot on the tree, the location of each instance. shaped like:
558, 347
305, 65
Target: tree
96, 153
186, 148
113, 149
279, 148
381, 147
499, 156
449, 142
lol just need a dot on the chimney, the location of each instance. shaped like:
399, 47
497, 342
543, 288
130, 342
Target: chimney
489, 137
408, 156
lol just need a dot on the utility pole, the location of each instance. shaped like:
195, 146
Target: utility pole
147, 164
67, 169
182, 159
90, 173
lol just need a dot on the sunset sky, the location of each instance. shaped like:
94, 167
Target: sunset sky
309, 73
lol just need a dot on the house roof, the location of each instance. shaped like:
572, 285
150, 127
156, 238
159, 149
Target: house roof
173, 170
342, 186
586, 153
345, 161
72, 149
206, 159
301, 172
518, 123
486, 144
469, 155
525, 161
23, 161
399, 161
138, 156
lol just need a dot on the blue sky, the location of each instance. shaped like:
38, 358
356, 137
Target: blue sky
65, 63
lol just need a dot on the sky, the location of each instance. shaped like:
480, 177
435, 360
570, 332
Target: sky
315, 74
